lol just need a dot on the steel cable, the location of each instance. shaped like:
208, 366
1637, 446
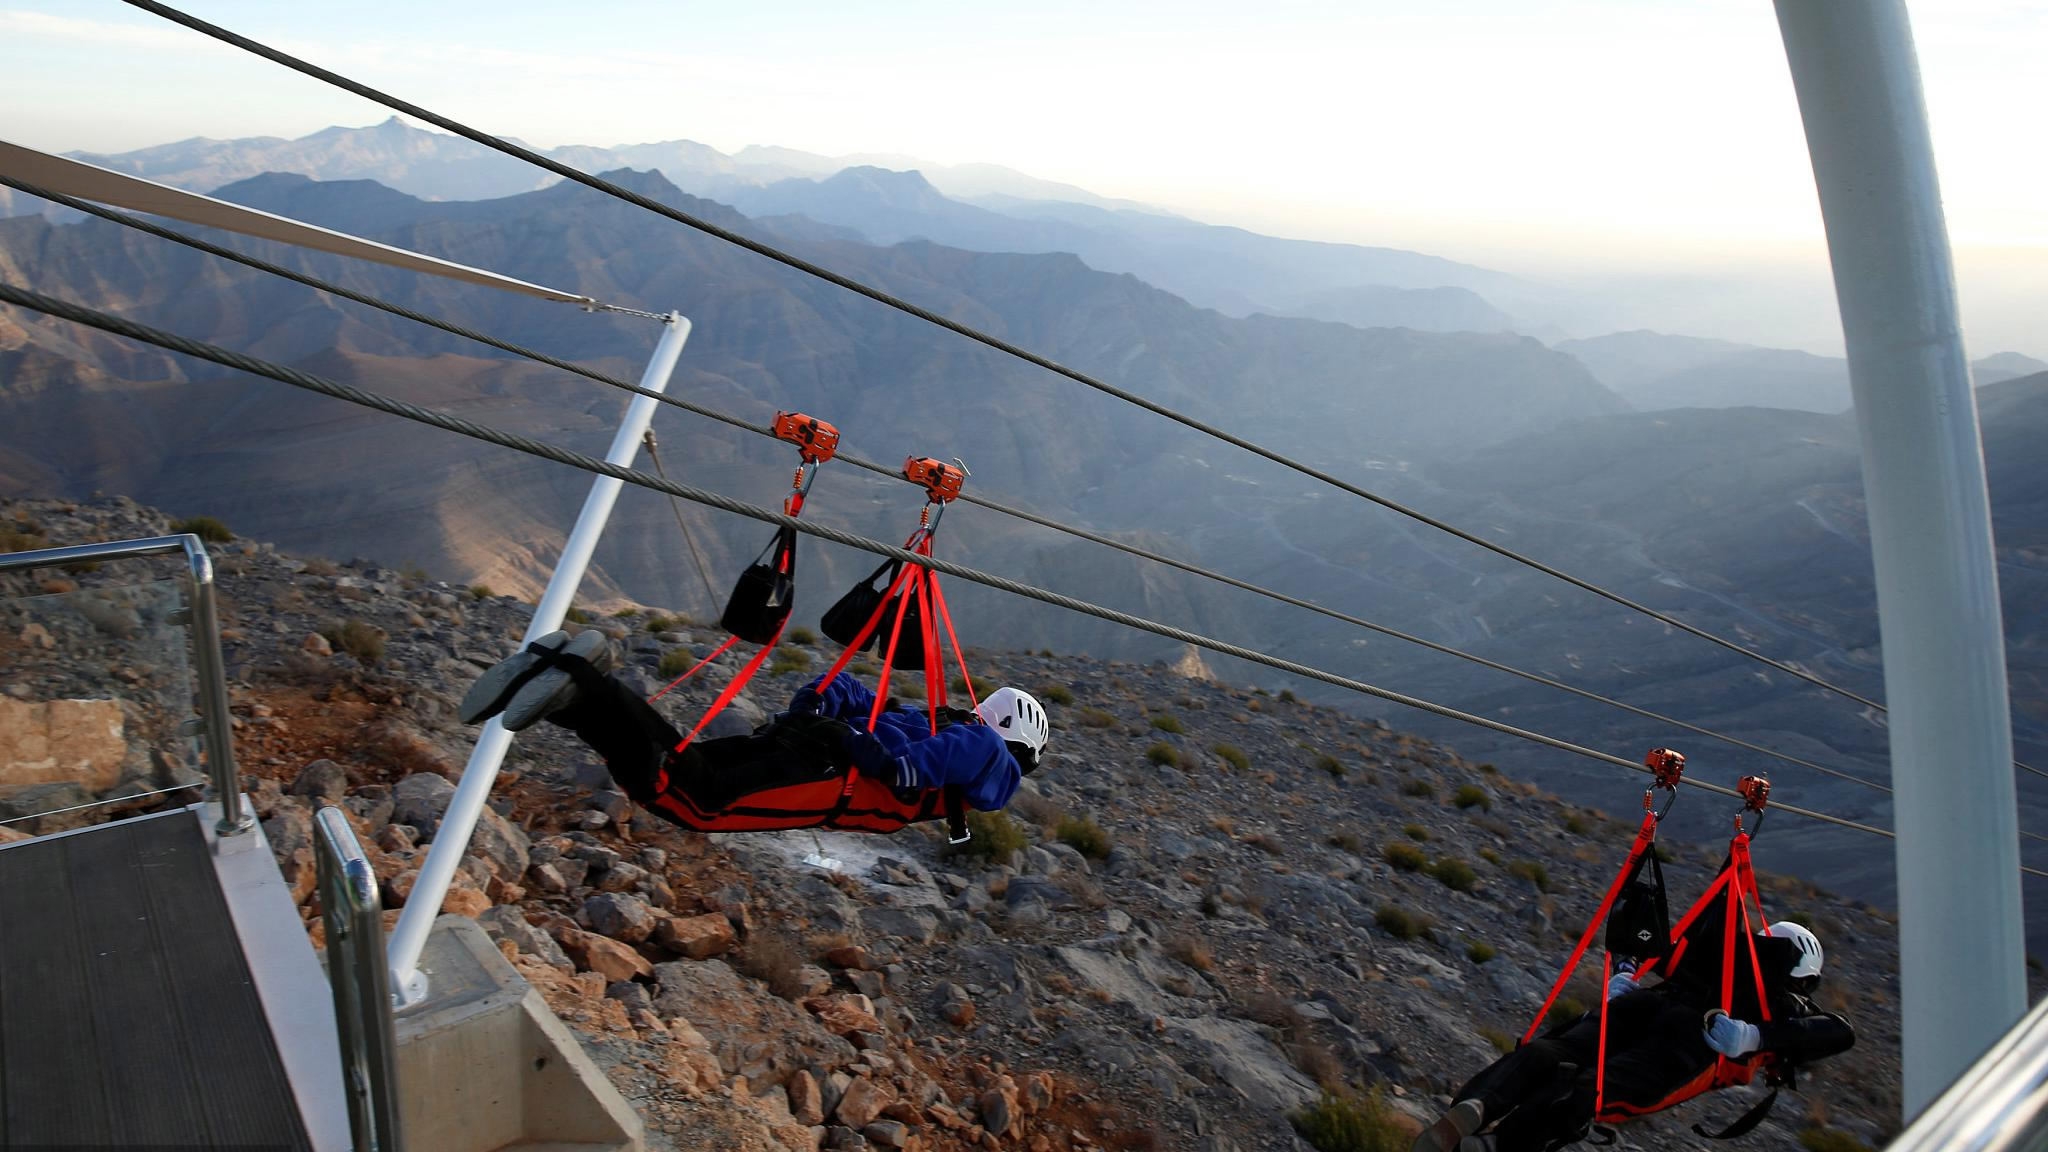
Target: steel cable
997, 343
175, 343
122, 218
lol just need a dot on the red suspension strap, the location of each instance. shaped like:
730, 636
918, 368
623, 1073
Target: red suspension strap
1666, 767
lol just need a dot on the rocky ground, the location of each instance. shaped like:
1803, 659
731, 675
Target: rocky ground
1210, 907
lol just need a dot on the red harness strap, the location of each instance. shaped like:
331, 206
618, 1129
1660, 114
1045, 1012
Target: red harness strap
1737, 884
1645, 836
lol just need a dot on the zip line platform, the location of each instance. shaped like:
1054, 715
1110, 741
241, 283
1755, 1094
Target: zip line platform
158, 989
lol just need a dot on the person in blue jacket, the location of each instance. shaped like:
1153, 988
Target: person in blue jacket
734, 782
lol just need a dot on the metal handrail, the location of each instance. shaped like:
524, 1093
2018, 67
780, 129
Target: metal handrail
353, 917
1999, 1105
215, 722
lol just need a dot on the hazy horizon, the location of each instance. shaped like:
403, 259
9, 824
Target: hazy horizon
1648, 149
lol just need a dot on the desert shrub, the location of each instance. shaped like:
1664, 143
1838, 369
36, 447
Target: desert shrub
1399, 922
1318, 1063
1056, 694
1192, 951
656, 622
1287, 695
1415, 832
802, 635
994, 836
1490, 856
363, 641
483, 592
1569, 1008
1454, 873
1233, 756
1577, 824
1404, 857
1034, 808
629, 612
961, 684
576, 615
675, 662
1331, 764
1488, 770
22, 537
774, 959
1817, 1139
863, 668
1084, 835
1097, 718
1533, 871
1417, 786
1266, 842
1664, 855
908, 687
789, 660
1479, 951
205, 527
1345, 1121
1168, 722
1164, 754
1348, 841
1472, 796
1501, 1041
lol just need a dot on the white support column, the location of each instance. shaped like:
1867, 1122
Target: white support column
451, 839
1961, 940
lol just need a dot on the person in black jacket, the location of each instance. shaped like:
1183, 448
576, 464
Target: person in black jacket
1660, 1038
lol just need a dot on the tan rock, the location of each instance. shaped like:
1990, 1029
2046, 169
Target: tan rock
844, 1014
688, 1061
466, 902
1037, 1093
958, 1013
315, 644
57, 741
805, 1103
698, 937
10, 836
851, 956
606, 957
863, 1101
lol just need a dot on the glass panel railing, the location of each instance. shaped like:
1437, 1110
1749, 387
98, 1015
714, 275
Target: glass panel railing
95, 702
111, 700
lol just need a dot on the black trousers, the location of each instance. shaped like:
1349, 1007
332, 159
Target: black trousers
1542, 1095
637, 743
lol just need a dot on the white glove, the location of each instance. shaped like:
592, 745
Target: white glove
1621, 984
1731, 1037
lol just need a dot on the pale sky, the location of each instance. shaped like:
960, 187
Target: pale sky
1581, 137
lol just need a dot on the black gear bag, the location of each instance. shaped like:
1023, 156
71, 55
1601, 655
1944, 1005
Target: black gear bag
765, 593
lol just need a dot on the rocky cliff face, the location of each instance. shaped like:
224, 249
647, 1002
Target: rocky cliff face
1213, 905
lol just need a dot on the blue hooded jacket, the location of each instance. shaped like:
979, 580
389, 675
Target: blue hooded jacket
971, 756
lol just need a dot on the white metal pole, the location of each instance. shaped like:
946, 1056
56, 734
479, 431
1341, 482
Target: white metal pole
1961, 941
451, 839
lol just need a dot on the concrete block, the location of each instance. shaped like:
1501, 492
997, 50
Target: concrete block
484, 1065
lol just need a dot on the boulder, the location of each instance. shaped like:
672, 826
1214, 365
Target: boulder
862, 1103
620, 916
420, 800
62, 741
698, 937
322, 781
606, 957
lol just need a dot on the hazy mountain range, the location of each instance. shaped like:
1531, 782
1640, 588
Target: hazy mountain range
1746, 521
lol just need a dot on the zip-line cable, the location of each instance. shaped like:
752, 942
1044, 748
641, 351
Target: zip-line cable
309, 382
997, 343
123, 218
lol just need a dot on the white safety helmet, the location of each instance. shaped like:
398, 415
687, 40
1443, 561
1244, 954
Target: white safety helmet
1804, 940
1018, 719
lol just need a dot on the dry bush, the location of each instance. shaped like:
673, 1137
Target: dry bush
1317, 1062
1192, 951
771, 957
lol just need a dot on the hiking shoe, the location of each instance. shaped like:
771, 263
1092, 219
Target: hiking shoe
1453, 1131
554, 686
501, 681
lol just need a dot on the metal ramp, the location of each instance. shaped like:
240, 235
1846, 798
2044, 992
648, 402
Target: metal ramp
138, 1007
